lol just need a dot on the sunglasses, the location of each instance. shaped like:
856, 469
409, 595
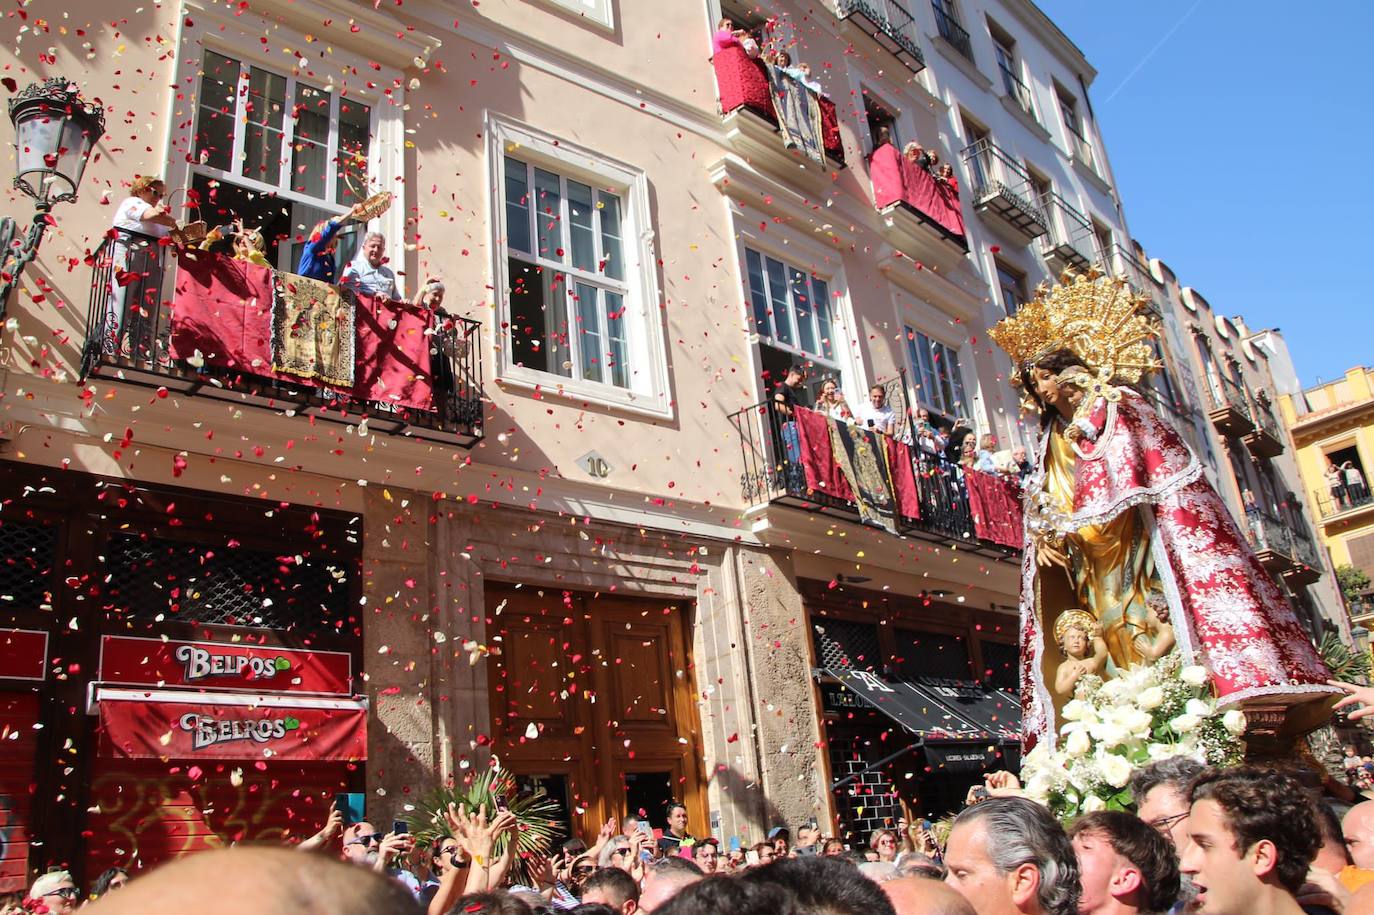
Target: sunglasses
66, 892
365, 840
583, 871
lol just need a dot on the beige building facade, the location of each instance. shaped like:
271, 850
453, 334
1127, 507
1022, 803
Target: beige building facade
591, 560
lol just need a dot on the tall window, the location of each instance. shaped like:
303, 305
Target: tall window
790, 308
1004, 48
882, 123
277, 151
940, 384
1073, 125
1102, 238
977, 155
567, 276
1012, 284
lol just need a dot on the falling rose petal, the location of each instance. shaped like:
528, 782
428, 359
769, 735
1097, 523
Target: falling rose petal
531, 731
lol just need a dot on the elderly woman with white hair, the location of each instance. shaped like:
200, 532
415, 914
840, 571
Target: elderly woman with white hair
368, 273
57, 892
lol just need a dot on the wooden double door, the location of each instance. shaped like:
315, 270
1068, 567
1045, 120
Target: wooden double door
592, 698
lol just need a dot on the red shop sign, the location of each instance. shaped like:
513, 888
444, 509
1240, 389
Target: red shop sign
146, 725
223, 665
23, 654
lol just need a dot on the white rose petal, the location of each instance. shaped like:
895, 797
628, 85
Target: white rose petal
1150, 698
1116, 770
1185, 723
1234, 721
1194, 675
1198, 707
1092, 803
1077, 744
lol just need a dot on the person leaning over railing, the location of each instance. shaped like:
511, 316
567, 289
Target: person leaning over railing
317, 257
135, 263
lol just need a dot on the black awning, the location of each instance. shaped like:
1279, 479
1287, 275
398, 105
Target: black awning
910, 706
994, 712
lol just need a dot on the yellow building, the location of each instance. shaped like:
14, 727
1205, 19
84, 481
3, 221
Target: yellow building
1332, 426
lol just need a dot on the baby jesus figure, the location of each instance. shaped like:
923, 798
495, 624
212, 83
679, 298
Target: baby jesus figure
1085, 651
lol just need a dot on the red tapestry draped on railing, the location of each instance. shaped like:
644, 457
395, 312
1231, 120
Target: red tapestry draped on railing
743, 83
995, 503
823, 473
897, 179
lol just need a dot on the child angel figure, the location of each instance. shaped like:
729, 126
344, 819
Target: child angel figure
1085, 651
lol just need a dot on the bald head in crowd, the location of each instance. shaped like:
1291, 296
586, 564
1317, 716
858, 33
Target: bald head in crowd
265, 881
1358, 828
924, 896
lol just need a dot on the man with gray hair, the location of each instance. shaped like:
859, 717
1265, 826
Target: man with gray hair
368, 272
1161, 795
1010, 856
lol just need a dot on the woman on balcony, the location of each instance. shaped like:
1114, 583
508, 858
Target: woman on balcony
1354, 483
136, 266
832, 403
1335, 484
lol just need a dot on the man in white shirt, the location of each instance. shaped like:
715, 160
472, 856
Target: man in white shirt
876, 414
368, 272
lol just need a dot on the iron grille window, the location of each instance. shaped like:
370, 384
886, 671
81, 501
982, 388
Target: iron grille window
152, 578
930, 654
26, 562
1002, 663
842, 645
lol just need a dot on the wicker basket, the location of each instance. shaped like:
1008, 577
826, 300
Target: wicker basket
375, 205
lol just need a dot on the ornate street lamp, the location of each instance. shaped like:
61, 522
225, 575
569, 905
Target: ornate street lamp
54, 131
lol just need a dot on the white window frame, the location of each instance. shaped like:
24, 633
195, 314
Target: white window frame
237, 37
910, 354
648, 364
600, 12
817, 356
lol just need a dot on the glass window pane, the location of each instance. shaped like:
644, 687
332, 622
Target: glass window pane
580, 226
219, 82
548, 214
956, 381
355, 150
802, 310
588, 331
930, 385
821, 292
609, 207
309, 164
758, 292
518, 205
262, 138
539, 324
777, 296
615, 333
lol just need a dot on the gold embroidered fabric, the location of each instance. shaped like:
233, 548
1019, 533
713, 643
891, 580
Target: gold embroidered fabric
313, 330
862, 458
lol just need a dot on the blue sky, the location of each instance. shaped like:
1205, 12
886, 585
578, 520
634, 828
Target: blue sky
1243, 147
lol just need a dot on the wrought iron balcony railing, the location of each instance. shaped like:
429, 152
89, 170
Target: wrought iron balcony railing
1069, 242
1001, 187
1342, 499
954, 33
1018, 91
890, 25
129, 333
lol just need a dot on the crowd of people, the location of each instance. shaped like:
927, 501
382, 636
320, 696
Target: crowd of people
1247, 840
951, 448
757, 47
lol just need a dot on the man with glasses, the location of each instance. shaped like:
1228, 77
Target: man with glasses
1161, 795
57, 891
706, 854
365, 846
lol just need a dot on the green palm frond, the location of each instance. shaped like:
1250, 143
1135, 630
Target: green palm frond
536, 813
1344, 663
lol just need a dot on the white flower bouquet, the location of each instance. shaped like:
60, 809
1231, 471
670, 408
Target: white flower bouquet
1110, 728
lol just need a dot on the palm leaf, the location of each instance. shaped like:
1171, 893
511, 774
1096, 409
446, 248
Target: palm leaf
1344, 664
535, 813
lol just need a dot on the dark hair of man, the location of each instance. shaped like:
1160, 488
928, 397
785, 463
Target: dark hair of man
498, 902
614, 882
1330, 825
1143, 846
675, 864
592, 908
736, 896
1020, 831
668, 811
823, 885
760, 847
1260, 803
1176, 772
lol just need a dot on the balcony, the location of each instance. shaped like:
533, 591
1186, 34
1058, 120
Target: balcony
889, 24
416, 373
1122, 262
1266, 439
953, 33
1272, 542
780, 468
922, 215
1002, 191
1227, 407
1069, 243
1019, 93
789, 148
1308, 566
1344, 504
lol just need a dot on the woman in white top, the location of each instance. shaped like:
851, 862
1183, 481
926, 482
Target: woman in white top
138, 258
831, 402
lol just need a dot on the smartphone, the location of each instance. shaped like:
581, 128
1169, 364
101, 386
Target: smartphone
501, 803
981, 793
351, 806
734, 843
926, 825
646, 829
399, 827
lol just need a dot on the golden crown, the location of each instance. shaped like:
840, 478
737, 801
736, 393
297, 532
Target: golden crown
1074, 619
1096, 317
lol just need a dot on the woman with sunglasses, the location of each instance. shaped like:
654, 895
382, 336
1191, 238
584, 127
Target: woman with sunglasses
446, 855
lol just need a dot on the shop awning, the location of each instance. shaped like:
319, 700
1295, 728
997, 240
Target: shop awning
910, 706
183, 724
994, 712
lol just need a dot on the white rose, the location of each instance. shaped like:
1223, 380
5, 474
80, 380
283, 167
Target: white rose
1150, 698
1092, 803
1234, 721
1198, 707
1077, 744
1193, 674
1074, 709
1038, 789
1137, 722
1116, 770
1185, 723
1109, 734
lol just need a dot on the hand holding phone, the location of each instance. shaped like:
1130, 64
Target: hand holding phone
399, 827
